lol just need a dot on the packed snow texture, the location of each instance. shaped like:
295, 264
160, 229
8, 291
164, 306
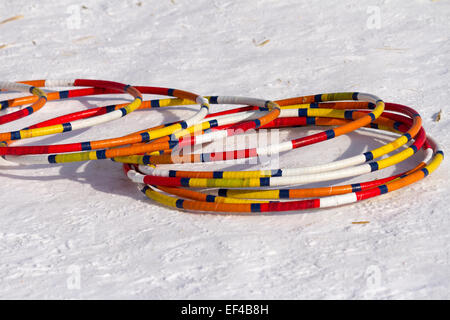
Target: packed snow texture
83, 230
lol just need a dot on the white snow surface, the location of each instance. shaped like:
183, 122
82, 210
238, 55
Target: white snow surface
84, 231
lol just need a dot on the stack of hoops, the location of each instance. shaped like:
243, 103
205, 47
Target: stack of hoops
276, 190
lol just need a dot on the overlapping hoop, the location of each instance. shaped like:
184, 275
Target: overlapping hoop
275, 190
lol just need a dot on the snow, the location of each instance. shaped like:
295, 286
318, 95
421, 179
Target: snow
83, 231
